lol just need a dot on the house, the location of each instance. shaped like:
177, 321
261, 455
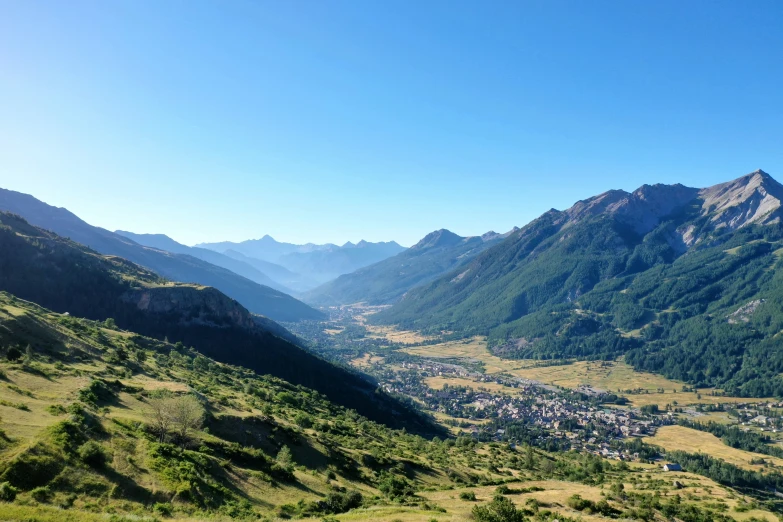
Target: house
672, 467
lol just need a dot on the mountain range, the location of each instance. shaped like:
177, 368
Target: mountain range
316, 264
183, 267
682, 281
64, 276
238, 266
386, 281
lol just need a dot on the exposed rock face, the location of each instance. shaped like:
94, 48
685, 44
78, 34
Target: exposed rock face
744, 312
751, 199
754, 198
200, 305
649, 204
643, 209
600, 204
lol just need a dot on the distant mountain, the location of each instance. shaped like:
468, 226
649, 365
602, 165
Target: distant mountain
683, 281
257, 298
316, 263
163, 242
292, 280
64, 276
266, 248
385, 282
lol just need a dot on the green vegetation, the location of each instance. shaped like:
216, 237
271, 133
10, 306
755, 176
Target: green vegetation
167, 432
66, 277
708, 315
385, 282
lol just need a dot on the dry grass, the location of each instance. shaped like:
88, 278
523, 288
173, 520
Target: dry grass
153, 384
694, 441
396, 336
612, 376
437, 383
21, 424
367, 360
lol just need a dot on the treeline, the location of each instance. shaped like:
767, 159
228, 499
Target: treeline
737, 438
725, 473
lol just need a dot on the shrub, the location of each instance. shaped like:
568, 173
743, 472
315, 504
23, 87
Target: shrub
468, 495
7, 492
33, 467
394, 486
41, 494
13, 354
162, 509
303, 420
56, 409
500, 509
92, 454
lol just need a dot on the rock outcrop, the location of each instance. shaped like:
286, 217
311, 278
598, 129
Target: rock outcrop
193, 305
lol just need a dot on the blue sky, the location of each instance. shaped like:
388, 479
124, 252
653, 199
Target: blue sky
329, 121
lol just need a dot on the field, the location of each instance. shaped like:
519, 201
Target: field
35, 393
616, 377
366, 361
474, 349
437, 383
396, 336
694, 441
553, 497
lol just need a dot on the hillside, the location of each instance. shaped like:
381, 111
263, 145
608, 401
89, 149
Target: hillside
247, 270
684, 281
64, 276
100, 421
386, 281
316, 263
257, 298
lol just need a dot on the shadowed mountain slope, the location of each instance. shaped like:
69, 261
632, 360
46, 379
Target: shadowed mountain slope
239, 267
257, 298
388, 280
39, 266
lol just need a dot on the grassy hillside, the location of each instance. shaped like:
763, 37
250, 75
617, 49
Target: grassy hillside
81, 440
386, 281
257, 298
40, 266
684, 294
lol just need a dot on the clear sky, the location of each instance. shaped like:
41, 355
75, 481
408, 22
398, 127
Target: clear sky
329, 121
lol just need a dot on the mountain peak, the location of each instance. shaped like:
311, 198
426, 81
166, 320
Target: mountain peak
438, 238
754, 198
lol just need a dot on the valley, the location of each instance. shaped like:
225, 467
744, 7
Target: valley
373, 261
128, 393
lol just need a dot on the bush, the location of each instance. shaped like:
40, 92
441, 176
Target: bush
41, 494
303, 420
337, 502
56, 409
500, 509
92, 454
13, 354
162, 509
395, 487
35, 466
468, 495
7, 492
